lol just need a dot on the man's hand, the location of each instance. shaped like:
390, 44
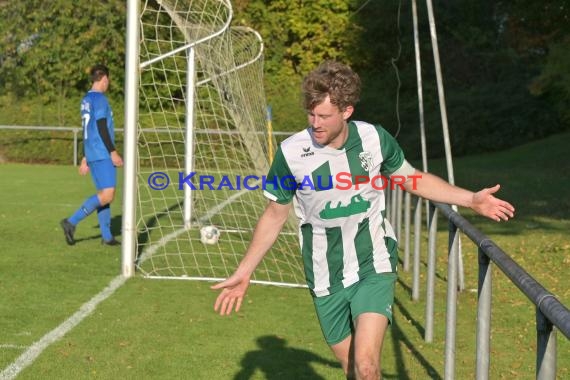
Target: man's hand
233, 291
484, 203
116, 158
266, 231
83, 167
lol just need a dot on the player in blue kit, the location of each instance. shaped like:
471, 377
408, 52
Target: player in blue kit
101, 158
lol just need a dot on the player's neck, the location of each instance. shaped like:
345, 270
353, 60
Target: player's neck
97, 88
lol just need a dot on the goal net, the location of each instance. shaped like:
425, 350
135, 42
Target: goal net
202, 145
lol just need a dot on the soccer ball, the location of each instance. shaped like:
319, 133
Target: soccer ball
209, 234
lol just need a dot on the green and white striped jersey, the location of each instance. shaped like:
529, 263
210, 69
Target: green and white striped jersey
343, 231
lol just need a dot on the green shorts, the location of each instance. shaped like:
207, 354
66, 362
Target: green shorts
337, 311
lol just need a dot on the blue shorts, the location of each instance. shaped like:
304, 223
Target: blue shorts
103, 173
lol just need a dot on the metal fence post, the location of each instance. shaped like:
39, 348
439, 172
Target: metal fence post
484, 316
399, 193
393, 209
388, 203
430, 289
407, 217
417, 243
75, 132
545, 347
451, 314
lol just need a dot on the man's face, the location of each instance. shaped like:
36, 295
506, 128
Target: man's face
329, 123
106, 82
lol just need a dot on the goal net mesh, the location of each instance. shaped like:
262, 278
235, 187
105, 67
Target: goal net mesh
198, 71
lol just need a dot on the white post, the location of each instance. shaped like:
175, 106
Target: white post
443, 111
189, 147
442, 106
485, 290
417, 215
75, 131
417, 239
407, 217
431, 270
423, 142
420, 90
451, 308
130, 144
399, 194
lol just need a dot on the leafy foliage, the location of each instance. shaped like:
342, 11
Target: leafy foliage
49, 46
553, 83
505, 64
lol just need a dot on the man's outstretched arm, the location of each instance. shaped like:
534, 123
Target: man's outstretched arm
266, 231
483, 202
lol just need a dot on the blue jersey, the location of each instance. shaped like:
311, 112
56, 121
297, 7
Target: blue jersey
95, 106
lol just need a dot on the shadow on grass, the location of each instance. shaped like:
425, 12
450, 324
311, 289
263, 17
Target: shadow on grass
418, 326
399, 339
92, 237
424, 265
116, 228
117, 225
278, 361
143, 236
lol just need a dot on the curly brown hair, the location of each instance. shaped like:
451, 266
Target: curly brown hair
332, 79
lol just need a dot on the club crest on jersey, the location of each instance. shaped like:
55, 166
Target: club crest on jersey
307, 152
365, 160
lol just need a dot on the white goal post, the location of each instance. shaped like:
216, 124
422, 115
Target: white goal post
196, 145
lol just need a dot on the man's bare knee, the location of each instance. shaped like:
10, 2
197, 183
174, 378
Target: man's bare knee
106, 196
367, 367
367, 370
345, 355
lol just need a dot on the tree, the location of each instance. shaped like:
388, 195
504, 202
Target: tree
49, 46
298, 36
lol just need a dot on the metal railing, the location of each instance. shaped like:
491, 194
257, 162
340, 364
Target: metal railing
551, 314
77, 132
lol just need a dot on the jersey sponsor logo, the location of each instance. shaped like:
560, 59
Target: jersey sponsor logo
365, 160
357, 205
308, 152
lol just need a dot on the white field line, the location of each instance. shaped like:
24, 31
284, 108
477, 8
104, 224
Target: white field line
147, 253
216, 209
38, 347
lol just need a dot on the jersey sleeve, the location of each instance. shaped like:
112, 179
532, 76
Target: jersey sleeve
394, 161
279, 185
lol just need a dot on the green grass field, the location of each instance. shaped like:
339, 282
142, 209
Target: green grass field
153, 329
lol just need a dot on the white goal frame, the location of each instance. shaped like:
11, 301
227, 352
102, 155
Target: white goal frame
138, 62
129, 225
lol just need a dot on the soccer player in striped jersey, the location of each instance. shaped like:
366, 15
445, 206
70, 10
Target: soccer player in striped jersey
335, 170
101, 158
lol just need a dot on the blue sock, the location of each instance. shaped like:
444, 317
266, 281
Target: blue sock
104, 216
90, 205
